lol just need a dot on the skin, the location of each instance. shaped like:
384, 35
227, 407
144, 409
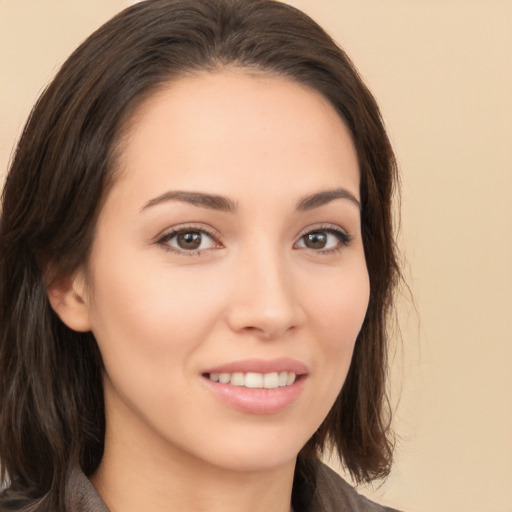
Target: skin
163, 315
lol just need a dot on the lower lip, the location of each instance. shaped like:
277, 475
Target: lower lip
257, 401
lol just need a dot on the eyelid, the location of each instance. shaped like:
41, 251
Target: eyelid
324, 227
342, 234
166, 235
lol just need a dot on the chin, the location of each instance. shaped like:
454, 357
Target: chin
254, 453
256, 462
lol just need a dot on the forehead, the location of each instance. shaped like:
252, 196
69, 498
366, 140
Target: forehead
214, 128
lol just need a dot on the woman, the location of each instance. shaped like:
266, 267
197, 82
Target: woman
197, 264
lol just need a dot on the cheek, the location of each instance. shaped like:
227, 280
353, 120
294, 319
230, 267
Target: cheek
338, 314
340, 308
149, 328
146, 312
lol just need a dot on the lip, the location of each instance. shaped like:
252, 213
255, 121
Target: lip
283, 364
258, 401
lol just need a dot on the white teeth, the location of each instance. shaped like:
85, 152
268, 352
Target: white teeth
237, 379
224, 378
271, 380
255, 380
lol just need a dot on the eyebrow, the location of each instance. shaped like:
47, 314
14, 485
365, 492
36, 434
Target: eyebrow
210, 201
326, 196
224, 204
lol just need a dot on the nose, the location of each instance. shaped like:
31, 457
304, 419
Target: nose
265, 300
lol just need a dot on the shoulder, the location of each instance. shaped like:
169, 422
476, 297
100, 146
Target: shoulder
333, 494
80, 494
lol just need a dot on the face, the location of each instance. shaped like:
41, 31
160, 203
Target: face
227, 281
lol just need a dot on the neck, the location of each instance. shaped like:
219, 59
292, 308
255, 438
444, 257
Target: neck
132, 477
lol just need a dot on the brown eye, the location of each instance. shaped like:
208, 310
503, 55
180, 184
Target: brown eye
189, 240
315, 240
324, 240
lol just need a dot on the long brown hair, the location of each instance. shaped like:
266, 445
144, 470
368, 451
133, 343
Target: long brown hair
51, 396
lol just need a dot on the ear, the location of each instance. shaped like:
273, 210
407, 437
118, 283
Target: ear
68, 298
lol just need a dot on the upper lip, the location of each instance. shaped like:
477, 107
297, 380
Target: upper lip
282, 364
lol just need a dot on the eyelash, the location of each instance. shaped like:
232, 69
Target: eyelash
343, 237
164, 240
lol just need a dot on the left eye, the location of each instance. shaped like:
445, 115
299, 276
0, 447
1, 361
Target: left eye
189, 240
322, 240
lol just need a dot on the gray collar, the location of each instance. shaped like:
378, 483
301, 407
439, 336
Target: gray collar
81, 496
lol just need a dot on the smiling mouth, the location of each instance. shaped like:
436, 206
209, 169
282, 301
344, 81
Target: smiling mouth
253, 380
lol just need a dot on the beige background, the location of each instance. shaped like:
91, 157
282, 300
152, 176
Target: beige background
442, 73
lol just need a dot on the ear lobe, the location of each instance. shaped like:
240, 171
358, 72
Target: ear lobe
68, 298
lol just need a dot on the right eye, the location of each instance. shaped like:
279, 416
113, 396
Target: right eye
188, 241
